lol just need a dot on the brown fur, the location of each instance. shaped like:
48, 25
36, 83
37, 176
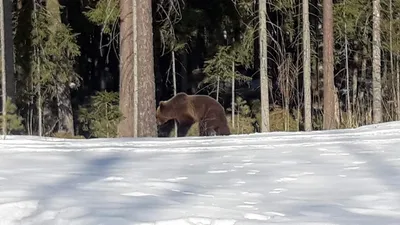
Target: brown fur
189, 109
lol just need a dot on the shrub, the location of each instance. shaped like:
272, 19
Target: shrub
14, 121
101, 117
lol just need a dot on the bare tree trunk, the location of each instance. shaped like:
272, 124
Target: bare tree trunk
126, 127
7, 58
65, 114
362, 95
262, 10
3, 70
329, 86
233, 95
8, 49
147, 126
174, 81
348, 105
135, 68
392, 73
217, 98
398, 86
376, 62
307, 67
354, 99
39, 87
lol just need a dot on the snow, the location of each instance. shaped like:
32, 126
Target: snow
303, 178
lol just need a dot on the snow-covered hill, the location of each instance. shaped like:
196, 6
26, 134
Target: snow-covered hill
329, 177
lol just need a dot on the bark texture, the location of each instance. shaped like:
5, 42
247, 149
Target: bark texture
307, 67
329, 86
147, 126
126, 86
376, 62
262, 10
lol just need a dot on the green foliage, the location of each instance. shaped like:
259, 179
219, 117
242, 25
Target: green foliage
105, 14
352, 13
55, 52
14, 121
239, 53
101, 117
244, 119
221, 66
276, 117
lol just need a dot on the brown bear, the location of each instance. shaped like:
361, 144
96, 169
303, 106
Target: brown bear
189, 109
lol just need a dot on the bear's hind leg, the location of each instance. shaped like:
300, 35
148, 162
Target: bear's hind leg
206, 130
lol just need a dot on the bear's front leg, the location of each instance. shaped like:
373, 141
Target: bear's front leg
183, 128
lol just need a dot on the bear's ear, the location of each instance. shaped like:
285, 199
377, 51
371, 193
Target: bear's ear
162, 104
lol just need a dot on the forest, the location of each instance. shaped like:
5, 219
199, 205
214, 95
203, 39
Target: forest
99, 68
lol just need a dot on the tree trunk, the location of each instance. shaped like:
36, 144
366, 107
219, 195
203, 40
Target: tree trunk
307, 67
233, 95
3, 71
65, 114
362, 94
7, 59
126, 83
8, 67
174, 79
348, 105
354, 99
262, 10
147, 126
398, 86
329, 86
376, 62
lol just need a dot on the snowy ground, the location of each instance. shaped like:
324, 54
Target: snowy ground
336, 177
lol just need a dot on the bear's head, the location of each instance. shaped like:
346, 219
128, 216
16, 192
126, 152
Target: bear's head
163, 114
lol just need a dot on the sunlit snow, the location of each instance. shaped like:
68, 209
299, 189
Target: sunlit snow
325, 177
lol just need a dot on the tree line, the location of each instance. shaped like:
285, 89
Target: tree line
98, 68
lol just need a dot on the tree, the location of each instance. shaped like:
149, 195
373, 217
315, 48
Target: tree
329, 87
262, 10
146, 83
3, 70
63, 94
307, 67
126, 127
376, 62
137, 58
7, 58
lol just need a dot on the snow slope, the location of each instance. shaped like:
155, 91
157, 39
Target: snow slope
329, 177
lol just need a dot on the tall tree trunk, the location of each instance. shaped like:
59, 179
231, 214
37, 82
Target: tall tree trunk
262, 10
8, 49
348, 105
329, 86
307, 67
147, 126
376, 62
126, 83
398, 86
39, 86
3, 70
174, 81
65, 114
362, 93
233, 95
7, 59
